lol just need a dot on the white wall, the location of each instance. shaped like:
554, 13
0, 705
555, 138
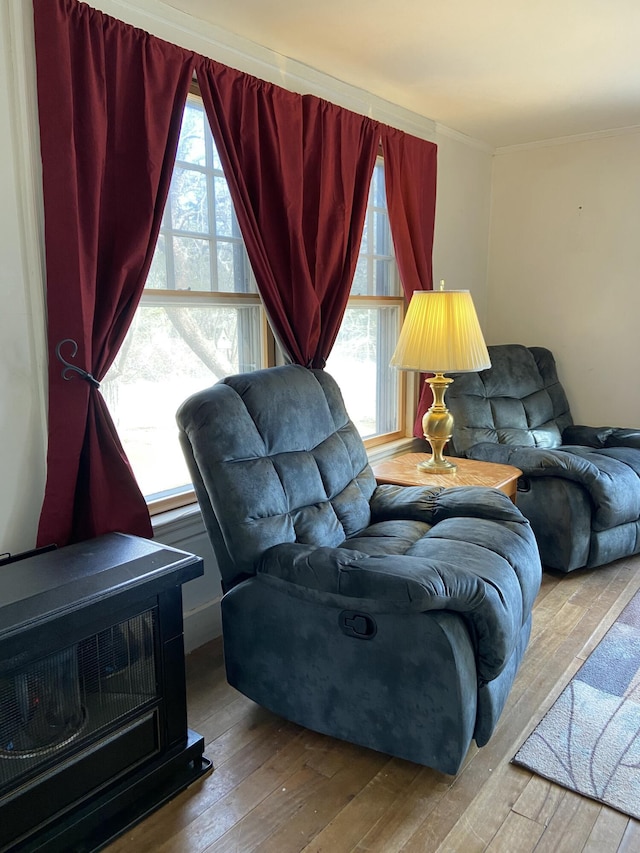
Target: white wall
22, 371
462, 217
460, 253
564, 267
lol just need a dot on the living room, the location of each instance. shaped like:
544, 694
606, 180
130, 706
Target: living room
541, 232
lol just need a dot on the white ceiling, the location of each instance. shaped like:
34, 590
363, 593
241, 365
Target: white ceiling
502, 71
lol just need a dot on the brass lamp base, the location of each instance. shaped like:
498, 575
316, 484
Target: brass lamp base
436, 466
437, 425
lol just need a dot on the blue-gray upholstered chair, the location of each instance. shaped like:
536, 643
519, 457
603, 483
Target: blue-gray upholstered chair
391, 617
581, 485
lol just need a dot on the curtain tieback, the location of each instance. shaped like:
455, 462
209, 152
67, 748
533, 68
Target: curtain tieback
73, 368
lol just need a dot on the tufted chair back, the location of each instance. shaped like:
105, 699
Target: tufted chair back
287, 465
518, 401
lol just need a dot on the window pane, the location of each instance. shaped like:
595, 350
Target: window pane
382, 242
191, 147
233, 268
360, 286
192, 265
158, 273
226, 225
359, 362
384, 277
189, 211
216, 163
377, 273
168, 354
378, 192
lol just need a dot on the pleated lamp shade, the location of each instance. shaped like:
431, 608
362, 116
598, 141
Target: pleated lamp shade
441, 334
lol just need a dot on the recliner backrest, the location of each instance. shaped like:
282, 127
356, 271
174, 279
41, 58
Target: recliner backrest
274, 458
517, 401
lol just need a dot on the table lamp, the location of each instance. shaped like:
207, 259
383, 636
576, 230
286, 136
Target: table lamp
441, 334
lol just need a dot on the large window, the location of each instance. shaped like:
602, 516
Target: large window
200, 318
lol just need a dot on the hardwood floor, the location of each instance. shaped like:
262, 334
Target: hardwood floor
277, 787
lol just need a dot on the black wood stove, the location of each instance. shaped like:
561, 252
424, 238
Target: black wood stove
93, 716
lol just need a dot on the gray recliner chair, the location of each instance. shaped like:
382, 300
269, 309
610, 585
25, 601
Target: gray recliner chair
391, 617
581, 485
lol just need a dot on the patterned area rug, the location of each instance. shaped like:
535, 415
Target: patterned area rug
589, 740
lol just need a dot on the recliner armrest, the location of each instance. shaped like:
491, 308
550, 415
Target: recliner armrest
588, 436
433, 504
624, 437
537, 461
601, 471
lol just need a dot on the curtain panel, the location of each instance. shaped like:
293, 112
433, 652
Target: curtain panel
410, 170
298, 170
110, 101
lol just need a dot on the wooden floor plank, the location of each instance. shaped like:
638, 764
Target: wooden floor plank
607, 833
200, 834
278, 788
631, 839
517, 833
346, 830
225, 779
486, 814
540, 800
273, 813
571, 825
399, 822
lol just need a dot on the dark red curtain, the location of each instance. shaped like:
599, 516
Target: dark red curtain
410, 168
298, 170
110, 101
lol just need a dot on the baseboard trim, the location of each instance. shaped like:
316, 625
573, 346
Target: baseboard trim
201, 625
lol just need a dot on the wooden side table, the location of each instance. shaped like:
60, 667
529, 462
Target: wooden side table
402, 471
